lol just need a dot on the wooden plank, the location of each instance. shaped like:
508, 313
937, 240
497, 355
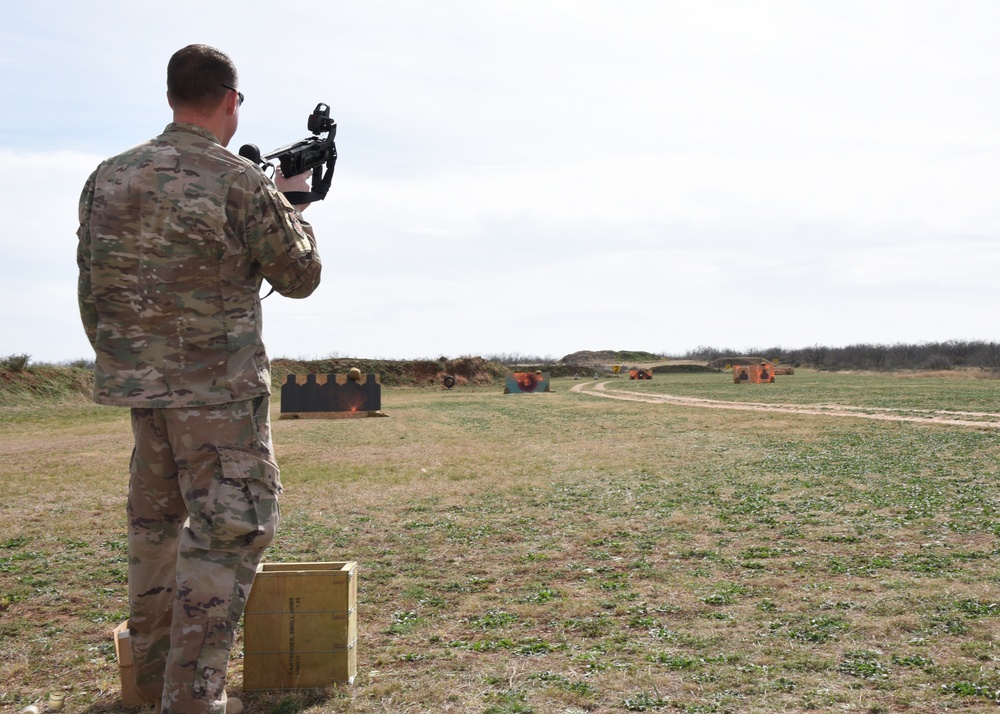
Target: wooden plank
131, 699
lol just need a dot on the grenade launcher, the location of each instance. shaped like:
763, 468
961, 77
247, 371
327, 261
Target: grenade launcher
316, 152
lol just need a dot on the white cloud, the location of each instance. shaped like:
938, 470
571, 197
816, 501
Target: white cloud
941, 263
521, 176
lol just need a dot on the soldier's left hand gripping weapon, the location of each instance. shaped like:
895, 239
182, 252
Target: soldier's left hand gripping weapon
315, 152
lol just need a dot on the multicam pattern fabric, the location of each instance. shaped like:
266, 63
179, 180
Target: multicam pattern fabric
176, 237
202, 507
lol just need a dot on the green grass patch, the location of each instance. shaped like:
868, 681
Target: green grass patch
563, 553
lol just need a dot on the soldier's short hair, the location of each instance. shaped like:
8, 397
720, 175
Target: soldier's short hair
196, 76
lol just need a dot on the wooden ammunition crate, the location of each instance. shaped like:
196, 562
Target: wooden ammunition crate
300, 626
130, 695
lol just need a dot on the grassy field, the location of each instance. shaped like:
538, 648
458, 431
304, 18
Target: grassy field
564, 553
958, 391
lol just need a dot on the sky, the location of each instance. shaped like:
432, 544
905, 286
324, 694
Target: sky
540, 177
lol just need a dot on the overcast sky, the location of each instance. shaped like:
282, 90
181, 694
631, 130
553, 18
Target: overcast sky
543, 177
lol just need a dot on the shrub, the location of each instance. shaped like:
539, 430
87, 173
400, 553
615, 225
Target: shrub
14, 363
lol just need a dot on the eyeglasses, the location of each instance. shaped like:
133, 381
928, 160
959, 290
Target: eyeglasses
238, 92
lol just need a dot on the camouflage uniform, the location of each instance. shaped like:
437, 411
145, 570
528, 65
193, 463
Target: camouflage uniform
176, 236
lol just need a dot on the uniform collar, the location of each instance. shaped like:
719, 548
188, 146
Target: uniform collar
191, 129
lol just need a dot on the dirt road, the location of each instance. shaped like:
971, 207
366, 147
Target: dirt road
985, 420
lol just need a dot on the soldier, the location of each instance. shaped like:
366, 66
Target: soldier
176, 237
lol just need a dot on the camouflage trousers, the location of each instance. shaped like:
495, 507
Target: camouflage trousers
202, 507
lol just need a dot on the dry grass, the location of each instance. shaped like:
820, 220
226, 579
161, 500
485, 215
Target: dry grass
561, 553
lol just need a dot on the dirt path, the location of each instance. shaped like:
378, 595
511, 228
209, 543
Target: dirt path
988, 420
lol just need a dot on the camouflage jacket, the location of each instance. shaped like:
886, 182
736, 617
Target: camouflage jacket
176, 236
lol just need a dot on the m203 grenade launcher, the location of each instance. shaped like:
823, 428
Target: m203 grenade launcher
317, 152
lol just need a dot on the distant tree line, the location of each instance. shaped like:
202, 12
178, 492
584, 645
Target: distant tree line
953, 354
512, 359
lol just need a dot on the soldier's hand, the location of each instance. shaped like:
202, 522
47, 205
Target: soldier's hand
299, 182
